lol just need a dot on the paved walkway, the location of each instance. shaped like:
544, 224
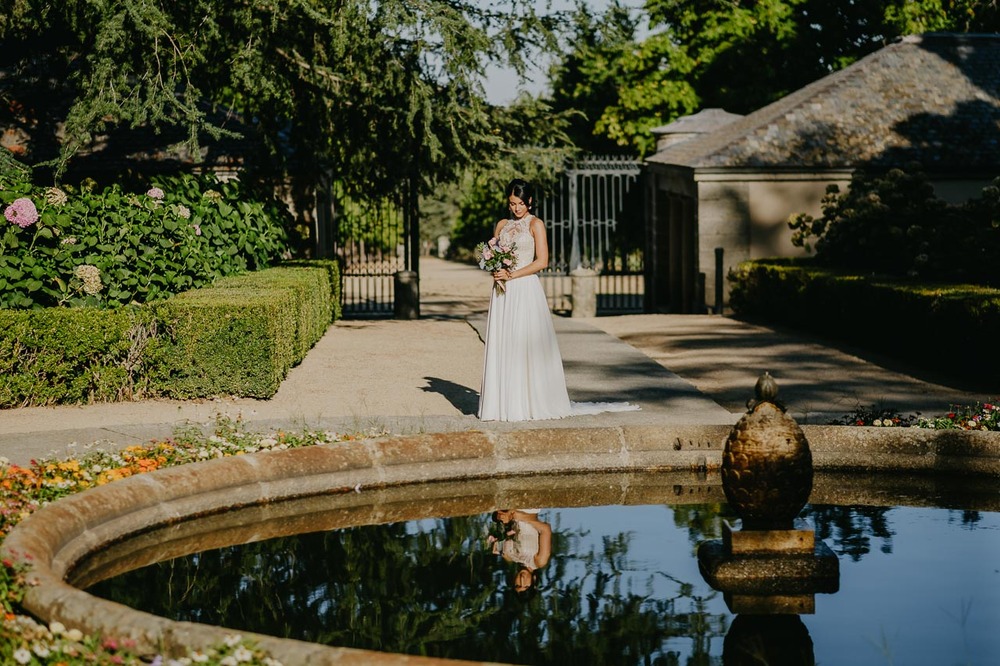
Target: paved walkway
423, 376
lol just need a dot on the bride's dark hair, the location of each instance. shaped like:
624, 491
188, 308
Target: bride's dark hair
523, 190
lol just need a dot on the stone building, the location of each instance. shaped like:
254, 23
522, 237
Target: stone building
721, 187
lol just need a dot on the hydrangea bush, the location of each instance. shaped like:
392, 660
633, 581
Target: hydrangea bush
83, 246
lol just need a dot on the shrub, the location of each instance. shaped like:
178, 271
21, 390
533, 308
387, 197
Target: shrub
109, 247
237, 339
892, 223
78, 355
880, 314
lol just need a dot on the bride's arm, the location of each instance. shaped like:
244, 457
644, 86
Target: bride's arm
541, 261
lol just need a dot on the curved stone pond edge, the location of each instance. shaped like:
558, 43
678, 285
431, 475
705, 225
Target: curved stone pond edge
59, 536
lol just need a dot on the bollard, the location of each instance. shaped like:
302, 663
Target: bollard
406, 304
584, 292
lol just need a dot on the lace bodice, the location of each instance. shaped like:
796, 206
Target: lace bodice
519, 233
524, 547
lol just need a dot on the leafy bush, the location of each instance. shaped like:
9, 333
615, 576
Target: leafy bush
893, 224
880, 314
237, 339
109, 247
78, 355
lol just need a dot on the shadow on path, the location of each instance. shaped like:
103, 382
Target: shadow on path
461, 397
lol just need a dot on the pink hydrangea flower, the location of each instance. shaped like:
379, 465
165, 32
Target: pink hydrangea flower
21, 212
154, 193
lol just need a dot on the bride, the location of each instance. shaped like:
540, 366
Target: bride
523, 375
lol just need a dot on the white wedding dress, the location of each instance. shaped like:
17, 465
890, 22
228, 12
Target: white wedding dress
523, 377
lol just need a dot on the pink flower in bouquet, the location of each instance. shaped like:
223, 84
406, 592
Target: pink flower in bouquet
494, 255
21, 212
155, 193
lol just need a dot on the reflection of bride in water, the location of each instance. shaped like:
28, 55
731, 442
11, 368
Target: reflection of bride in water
524, 540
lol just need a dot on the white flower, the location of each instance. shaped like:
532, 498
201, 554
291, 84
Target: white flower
91, 277
74, 635
243, 654
55, 196
232, 640
228, 660
41, 650
22, 656
877, 422
199, 657
183, 211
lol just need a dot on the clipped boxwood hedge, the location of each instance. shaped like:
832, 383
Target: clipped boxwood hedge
948, 328
239, 337
310, 309
78, 355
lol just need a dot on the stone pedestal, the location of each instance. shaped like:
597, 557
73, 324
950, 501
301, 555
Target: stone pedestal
769, 571
584, 292
406, 285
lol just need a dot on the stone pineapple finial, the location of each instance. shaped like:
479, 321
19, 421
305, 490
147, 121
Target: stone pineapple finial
766, 390
766, 465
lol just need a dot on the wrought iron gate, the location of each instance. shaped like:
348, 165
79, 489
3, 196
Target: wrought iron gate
373, 241
594, 216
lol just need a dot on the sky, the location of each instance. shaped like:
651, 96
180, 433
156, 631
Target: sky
503, 85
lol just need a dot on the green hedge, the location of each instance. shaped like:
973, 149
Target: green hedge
949, 328
78, 355
239, 337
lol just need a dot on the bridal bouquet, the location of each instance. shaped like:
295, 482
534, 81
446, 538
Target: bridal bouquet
497, 532
494, 255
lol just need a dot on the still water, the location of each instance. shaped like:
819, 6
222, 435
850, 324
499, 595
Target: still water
611, 585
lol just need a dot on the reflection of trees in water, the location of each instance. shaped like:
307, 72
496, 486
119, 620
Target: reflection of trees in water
435, 592
702, 521
850, 529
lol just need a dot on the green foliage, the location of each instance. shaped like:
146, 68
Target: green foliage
375, 94
140, 247
235, 341
310, 289
736, 55
332, 270
239, 338
532, 144
879, 314
985, 416
880, 416
12, 584
78, 355
590, 74
893, 223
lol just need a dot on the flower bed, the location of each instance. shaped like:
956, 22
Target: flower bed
25, 489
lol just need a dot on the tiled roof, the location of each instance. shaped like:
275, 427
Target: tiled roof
932, 98
706, 120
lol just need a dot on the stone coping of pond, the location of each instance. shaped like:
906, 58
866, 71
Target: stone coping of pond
60, 536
